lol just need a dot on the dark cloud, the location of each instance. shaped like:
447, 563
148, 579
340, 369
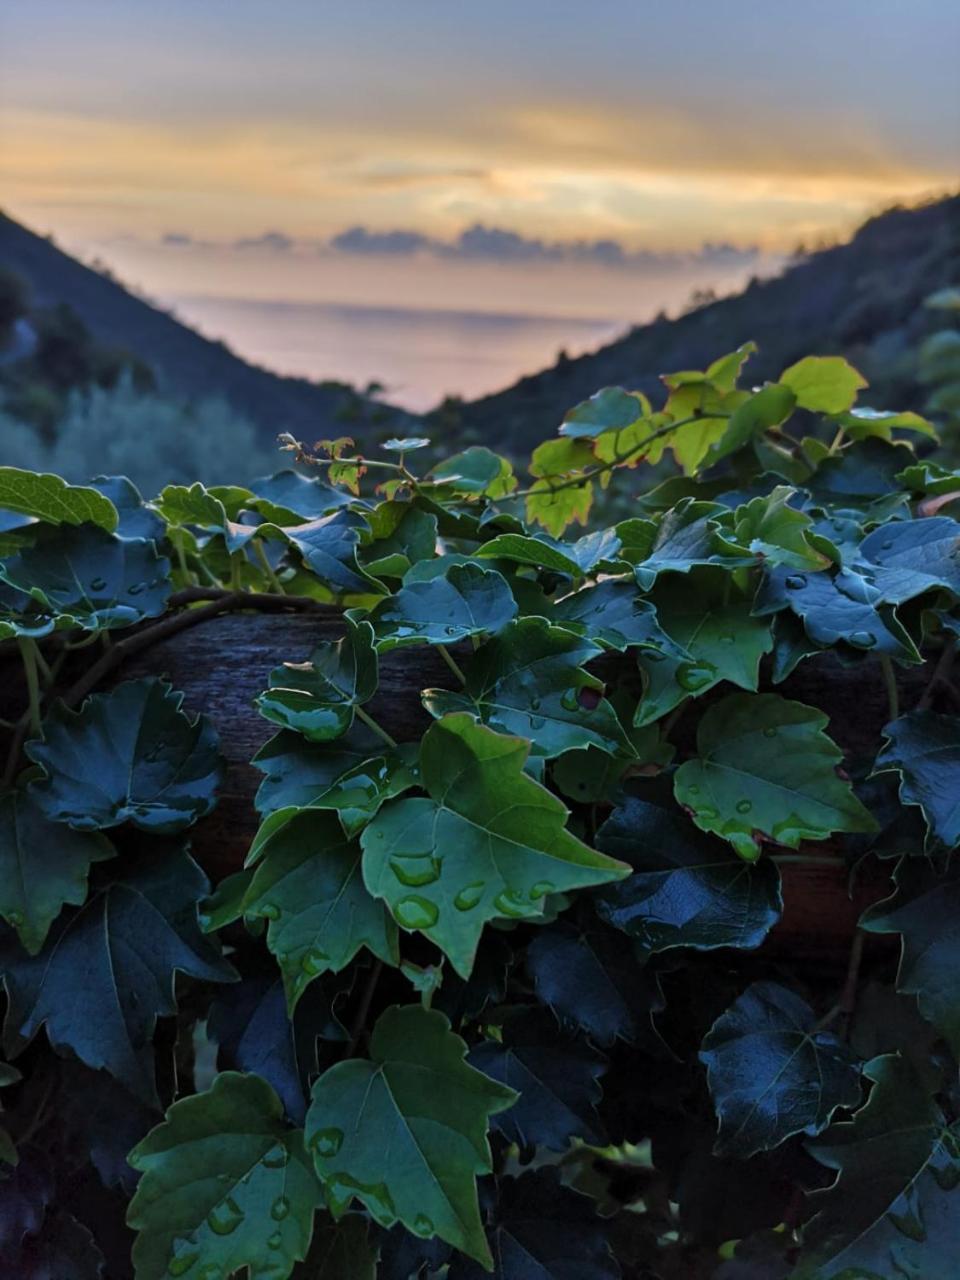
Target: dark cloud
360, 240
178, 240
274, 241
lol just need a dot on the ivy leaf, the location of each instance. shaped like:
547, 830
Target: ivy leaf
556, 1080
308, 885
530, 681
305, 496
352, 775
106, 972
541, 1229
318, 697
767, 771
772, 529
213, 510
225, 1184
686, 536
823, 384
686, 889
593, 982
924, 910
95, 578
924, 748
893, 1209
766, 408
573, 559
477, 472
612, 614
48, 498
863, 422
467, 600
136, 519
837, 607
43, 866
772, 1074
489, 842
128, 755
908, 557
403, 535
555, 508
611, 409
329, 545
417, 1088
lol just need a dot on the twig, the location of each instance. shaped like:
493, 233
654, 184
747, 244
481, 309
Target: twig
939, 674
451, 663
369, 721
360, 1021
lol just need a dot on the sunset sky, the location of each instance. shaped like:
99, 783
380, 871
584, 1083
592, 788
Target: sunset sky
226, 146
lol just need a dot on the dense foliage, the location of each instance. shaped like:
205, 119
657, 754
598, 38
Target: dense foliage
499, 999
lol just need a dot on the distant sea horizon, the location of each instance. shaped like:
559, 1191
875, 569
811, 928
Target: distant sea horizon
419, 355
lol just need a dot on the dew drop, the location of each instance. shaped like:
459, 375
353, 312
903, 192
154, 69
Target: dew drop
280, 1208
270, 911
277, 1157
224, 1218
795, 582
863, 639
415, 869
15, 919
511, 904
469, 896
210, 1272
692, 676
416, 913
314, 961
541, 889
769, 731
569, 700
537, 722
97, 584
182, 1262
275, 1241
707, 814
327, 1142
744, 806
423, 1225
534, 704
136, 588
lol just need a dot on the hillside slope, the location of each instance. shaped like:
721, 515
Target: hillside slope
862, 299
185, 363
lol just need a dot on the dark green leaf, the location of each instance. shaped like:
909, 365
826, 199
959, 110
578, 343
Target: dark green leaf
417, 1088
128, 755
467, 600
767, 771
613, 614
306, 496
137, 520
478, 472
43, 866
489, 842
765, 408
329, 548
908, 557
556, 1078
924, 748
225, 1184
96, 579
106, 972
893, 1209
403, 535
686, 889
772, 1073
318, 697
611, 409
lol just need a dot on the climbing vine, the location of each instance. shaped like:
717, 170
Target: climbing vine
501, 993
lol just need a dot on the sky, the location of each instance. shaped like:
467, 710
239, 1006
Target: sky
595, 159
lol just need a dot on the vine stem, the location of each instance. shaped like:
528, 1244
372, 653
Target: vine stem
28, 652
451, 663
360, 1021
939, 676
805, 860
890, 683
369, 721
267, 566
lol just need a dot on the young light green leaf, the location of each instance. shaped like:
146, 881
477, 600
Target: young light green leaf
530, 681
488, 842
766, 408
893, 1209
130, 755
467, 600
106, 971
43, 866
317, 697
767, 771
555, 507
772, 1074
823, 384
52, 500
775, 532
226, 1187
308, 886
417, 1088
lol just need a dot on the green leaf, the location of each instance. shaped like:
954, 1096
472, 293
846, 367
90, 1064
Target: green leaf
686, 889
766, 408
353, 775
924, 748
403, 535
893, 1209
489, 842
924, 910
96, 579
574, 559
906, 558
130, 755
861, 423
308, 885
416, 1088
776, 532
225, 1186
137, 520
613, 614
685, 537
608, 410
43, 866
530, 681
317, 697
476, 472
210, 509
106, 972
823, 384
772, 1073
403, 444
48, 498
467, 600
328, 546
556, 1080
305, 496
834, 607
767, 771
555, 508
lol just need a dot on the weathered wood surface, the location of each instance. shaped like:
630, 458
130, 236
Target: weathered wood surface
224, 663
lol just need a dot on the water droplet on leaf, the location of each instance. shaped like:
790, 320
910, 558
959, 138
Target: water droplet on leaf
469, 896
416, 912
225, 1217
795, 582
327, 1142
